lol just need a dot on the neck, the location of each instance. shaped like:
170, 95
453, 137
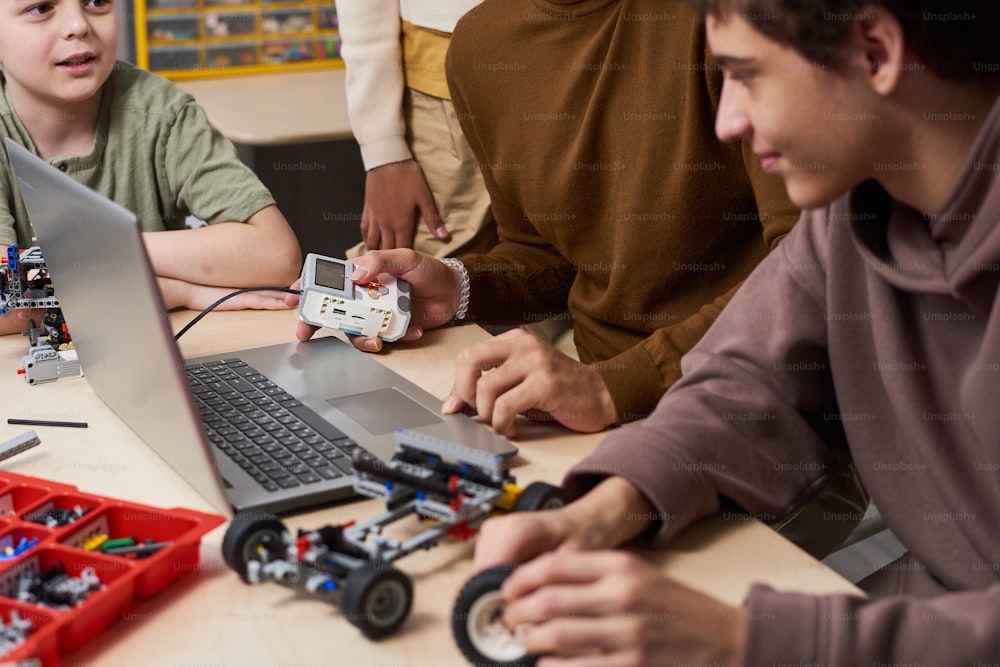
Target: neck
933, 143
58, 128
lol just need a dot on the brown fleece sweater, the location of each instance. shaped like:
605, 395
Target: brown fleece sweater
872, 333
593, 124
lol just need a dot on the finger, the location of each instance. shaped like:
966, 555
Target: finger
413, 332
510, 390
293, 299
516, 386
473, 361
277, 303
565, 566
493, 403
452, 404
553, 601
367, 343
387, 239
366, 224
305, 331
373, 237
404, 241
433, 221
397, 262
513, 538
255, 302
494, 545
579, 635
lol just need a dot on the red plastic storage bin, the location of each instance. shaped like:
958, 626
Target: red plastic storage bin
47, 526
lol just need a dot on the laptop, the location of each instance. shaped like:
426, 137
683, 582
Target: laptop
108, 292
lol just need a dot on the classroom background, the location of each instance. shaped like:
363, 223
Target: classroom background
319, 183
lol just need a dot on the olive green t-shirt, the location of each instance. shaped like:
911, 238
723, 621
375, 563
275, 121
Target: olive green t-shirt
155, 153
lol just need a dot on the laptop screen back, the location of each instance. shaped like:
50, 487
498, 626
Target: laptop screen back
108, 293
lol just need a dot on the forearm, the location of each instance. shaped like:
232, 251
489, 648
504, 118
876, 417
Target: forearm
956, 628
733, 418
12, 323
372, 54
181, 294
610, 514
174, 292
262, 251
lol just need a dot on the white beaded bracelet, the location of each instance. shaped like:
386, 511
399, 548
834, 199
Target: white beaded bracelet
463, 301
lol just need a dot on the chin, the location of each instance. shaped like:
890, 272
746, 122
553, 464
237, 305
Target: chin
77, 98
81, 92
806, 195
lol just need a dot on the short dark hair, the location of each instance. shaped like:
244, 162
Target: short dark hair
955, 39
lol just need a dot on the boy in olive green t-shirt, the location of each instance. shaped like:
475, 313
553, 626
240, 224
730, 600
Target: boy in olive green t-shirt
138, 140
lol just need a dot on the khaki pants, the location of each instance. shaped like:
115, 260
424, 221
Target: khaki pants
439, 147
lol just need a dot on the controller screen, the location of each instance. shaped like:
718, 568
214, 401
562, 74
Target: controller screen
330, 274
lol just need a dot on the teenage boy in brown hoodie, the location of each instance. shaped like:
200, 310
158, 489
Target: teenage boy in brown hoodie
869, 335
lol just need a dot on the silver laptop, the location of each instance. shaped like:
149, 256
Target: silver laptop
108, 293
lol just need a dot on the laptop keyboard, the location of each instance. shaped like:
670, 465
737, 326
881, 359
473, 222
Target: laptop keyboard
266, 431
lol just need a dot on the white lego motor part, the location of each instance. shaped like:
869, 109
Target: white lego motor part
43, 363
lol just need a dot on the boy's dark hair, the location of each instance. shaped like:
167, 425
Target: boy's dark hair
955, 39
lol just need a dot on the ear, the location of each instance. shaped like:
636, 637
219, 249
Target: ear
883, 45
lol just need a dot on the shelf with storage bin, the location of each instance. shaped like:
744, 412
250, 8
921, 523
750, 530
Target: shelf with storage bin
184, 39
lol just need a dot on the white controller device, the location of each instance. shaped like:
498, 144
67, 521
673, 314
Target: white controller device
330, 299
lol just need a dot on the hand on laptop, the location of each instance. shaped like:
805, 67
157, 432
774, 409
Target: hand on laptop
434, 289
519, 373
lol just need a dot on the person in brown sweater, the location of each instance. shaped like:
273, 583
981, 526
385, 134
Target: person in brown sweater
614, 203
869, 335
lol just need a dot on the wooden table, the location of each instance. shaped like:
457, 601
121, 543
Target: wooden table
211, 618
279, 108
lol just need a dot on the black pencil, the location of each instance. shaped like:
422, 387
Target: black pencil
42, 422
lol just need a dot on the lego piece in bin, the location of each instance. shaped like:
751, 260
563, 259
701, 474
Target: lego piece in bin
55, 588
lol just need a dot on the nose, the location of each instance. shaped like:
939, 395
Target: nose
75, 23
731, 121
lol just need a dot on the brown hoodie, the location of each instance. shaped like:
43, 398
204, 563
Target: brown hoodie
871, 333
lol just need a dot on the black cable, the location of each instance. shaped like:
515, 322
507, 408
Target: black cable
230, 296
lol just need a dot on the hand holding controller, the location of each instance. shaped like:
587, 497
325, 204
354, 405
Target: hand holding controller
330, 299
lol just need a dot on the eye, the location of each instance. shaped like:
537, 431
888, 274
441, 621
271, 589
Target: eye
40, 9
97, 4
742, 78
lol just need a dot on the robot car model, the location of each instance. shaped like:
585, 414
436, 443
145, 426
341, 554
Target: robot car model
453, 487
25, 283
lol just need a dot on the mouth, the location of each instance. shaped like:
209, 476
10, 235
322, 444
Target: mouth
77, 60
769, 160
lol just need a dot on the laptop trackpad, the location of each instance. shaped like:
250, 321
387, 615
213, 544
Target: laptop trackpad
384, 410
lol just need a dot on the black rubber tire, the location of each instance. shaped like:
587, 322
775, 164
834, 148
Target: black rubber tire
247, 533
376, 598
479, 607
539, 496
